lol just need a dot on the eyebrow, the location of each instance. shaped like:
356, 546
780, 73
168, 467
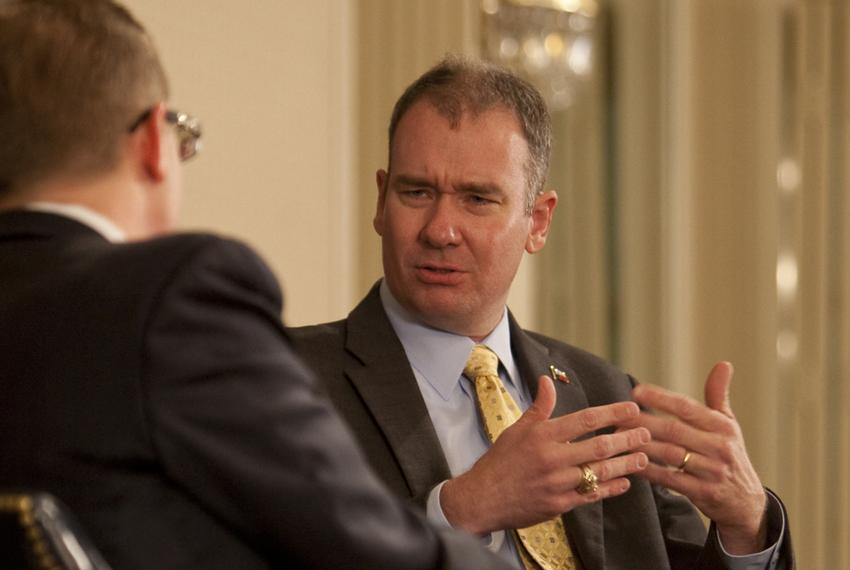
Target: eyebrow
405, 180
484, 189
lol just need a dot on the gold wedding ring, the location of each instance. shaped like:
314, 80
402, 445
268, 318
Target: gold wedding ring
684, 461
589, 481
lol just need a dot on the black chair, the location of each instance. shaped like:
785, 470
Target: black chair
37, 532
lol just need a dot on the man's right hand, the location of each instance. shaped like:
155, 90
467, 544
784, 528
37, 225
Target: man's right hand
531, 472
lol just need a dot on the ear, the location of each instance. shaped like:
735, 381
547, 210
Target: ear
382, 178
148, 144
541, 220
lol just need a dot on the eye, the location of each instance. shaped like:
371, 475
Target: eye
479, 200
414, 195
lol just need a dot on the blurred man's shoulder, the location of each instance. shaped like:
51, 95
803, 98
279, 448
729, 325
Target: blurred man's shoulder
188, 245
198, 256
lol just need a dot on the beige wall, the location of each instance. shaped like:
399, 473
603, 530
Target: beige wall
294, 97
270, 80
736, 89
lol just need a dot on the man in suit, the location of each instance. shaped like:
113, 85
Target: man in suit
461, 201
146, 379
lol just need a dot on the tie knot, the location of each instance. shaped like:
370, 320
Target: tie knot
482, 362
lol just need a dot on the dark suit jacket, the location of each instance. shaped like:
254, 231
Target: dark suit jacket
151, 387
369, 379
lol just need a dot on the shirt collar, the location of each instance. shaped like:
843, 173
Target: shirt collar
440, 356
86, 216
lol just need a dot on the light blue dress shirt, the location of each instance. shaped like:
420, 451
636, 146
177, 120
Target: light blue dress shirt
438, 359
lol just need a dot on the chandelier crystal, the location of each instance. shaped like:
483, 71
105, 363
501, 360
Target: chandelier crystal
548, 42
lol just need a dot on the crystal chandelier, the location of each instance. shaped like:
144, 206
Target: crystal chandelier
548, 42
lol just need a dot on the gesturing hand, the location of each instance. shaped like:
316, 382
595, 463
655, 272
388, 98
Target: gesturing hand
704, 446
531, 472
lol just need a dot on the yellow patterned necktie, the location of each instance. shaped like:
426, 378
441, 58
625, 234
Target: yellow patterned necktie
543, 545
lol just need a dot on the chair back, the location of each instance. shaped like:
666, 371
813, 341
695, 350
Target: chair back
38, 532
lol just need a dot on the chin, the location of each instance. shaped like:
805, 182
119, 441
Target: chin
449, 318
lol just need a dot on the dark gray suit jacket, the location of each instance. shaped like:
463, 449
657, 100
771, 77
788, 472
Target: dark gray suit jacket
363, 364
152, 388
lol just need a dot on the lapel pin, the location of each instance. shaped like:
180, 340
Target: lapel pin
558, 374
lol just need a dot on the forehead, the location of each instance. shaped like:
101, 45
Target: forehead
488, 144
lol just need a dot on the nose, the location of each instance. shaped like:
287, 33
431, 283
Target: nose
441, 227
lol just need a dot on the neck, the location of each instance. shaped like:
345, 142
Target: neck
477, 330
465, 324
113, 195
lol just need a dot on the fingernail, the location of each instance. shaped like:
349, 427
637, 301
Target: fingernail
642, 460
645, 436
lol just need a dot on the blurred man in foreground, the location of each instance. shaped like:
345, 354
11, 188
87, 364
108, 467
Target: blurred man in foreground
148, 383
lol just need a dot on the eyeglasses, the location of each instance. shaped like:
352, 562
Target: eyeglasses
188, 131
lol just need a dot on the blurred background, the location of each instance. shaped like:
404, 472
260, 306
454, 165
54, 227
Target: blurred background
701, 158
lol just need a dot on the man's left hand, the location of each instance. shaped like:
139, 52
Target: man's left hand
699, 452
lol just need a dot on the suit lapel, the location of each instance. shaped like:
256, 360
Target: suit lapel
383, 377
584, 524
385, 381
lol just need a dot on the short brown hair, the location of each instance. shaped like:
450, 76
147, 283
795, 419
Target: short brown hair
74, 75
459, 85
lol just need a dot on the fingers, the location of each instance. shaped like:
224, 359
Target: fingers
605, 446
673, 457
619, 466
682, 435
572, 426
612, 476
717, 388
683, 407
606, 490
679, 481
